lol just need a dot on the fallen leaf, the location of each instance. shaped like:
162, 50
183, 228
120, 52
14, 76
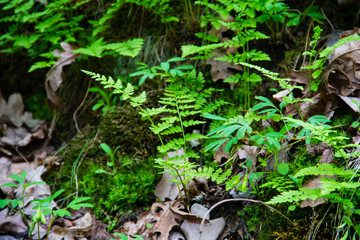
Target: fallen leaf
249, 152
221, 69
81, 228
163, 218
54, 77
220, 153
211, 230
12, 113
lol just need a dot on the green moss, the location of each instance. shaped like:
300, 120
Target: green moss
114, 191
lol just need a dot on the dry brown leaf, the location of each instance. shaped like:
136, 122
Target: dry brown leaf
163, 218
249, 152
223, 70
12, 113
219, 32
220, 153
301, 77
211, 230
54, 77
81, 228
21, 136
11, 224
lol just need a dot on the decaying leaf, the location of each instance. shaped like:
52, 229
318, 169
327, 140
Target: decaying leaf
54, 77
301, 77
220, 153
12, 113
212, 229
249, 152
80, 229
163, 218
223, 70
11, 224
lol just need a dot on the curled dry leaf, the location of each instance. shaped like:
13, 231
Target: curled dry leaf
54, 77
343, 76
12, 113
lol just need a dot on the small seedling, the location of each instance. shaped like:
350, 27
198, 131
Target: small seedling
108, 151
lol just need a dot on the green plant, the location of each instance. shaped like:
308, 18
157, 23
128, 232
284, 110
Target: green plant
124, 237
277, 15
18, 204
339, 188
184, 99
43, 206
244, 28
40, 28
317, 66
110, 153
107, 104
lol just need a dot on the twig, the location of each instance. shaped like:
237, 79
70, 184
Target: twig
82, 103
239, 199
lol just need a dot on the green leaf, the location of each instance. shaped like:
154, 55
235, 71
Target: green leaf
33, 183
215, 145
4, 202
214, 117
9, 185
283, 168
62, 213
106, 148
176, 59
130, 48
165, 66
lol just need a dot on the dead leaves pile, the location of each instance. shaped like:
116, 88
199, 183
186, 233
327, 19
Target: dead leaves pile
340, 80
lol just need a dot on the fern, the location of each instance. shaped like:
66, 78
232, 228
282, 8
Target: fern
328, 186
324, 169
182, 102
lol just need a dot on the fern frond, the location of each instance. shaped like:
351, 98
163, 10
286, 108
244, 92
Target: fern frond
173, 144
192, 49
162, 126
189, 113
41, 64
324, 169
172, 130
130, 48
292, 196
194, 136
128, 91
139, 100
153, 111
192, 123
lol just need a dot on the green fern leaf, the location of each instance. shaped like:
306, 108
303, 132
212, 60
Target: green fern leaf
130, 48
192, 49
42, 64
